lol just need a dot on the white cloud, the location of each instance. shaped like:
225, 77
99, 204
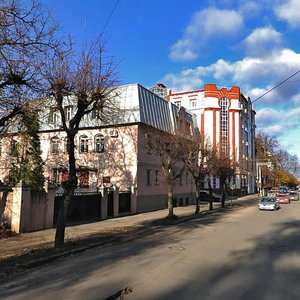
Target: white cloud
289, 12
261, 40
205, 24
216, 22
296, 99
184, 83
294, 113
246, 73
250, 9
267, 115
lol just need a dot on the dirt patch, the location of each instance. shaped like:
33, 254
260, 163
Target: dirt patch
25, 259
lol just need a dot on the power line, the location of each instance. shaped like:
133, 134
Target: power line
111, 13
276, 86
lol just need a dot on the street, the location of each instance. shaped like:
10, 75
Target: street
233, 254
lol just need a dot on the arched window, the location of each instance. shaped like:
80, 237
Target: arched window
99, 143
83, 144
54, 145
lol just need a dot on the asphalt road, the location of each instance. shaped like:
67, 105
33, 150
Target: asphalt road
235, 254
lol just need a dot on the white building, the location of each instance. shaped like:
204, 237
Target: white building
228, 119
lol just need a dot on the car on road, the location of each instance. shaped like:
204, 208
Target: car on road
294, 196
268, 203
283, 198
271, 193
283, 189
204, 195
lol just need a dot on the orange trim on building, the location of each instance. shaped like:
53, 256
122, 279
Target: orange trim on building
202, 126
233, 136
214, 128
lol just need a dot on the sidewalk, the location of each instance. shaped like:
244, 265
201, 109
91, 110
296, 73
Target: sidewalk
26, 242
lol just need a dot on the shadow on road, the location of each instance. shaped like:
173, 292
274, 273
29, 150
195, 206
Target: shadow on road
148, 235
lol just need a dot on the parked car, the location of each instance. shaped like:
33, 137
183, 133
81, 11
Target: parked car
294, 196
205, 196
283, 189
283, 198
268, 203
271, 193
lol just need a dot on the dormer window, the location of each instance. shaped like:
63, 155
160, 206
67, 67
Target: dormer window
54, 116
68, 112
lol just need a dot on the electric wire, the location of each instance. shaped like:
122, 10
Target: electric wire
276, 86
111, 13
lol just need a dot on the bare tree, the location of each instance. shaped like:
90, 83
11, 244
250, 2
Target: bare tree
224, 168
169, 148
198, 156
87, 81
27, 35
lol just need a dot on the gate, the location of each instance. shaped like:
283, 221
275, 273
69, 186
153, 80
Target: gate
124, 202
83, 208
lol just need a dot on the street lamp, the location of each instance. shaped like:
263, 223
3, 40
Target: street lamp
259, 164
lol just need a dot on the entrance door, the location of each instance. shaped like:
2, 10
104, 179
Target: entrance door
110, 204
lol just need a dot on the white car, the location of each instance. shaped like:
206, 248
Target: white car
268, 203
294, 196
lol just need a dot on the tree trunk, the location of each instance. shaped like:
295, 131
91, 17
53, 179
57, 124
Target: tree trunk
69, 188
210, 205
223, 197
61, 222
197, 208
170, 203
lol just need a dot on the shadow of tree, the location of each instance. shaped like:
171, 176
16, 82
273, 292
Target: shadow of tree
148, 235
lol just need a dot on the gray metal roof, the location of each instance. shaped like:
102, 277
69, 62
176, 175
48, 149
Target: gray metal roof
135, 103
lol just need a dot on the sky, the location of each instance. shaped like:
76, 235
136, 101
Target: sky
185, 44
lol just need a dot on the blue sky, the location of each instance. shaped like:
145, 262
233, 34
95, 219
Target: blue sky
185, 44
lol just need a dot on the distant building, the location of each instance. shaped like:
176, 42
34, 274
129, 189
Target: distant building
161, 90
228, 119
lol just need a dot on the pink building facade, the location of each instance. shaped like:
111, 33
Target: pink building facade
112, 158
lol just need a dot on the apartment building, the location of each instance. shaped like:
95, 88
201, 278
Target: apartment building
227, 118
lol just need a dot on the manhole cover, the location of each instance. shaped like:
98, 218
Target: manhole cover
177, 248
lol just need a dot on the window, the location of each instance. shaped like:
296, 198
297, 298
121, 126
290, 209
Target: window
233, 180
54, 116
55, 175
214, 182
94, 114
99, 143
66, 145
156, 176
148, 177
83, 144
224, 124
68, 112
14, 148
54, 145
193, 102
